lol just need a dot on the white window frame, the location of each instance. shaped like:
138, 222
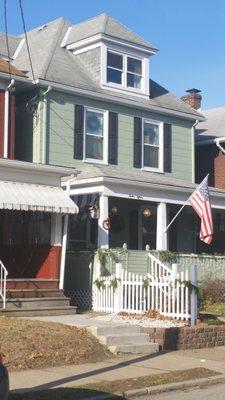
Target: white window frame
105, 136
161, 146
143, 90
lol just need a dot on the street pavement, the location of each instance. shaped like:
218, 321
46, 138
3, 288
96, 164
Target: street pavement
210, 393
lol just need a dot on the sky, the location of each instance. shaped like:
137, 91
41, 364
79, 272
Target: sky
190, 36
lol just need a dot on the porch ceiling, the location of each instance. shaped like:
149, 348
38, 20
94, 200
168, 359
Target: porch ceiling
31, 197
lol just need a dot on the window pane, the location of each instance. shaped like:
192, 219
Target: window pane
94, 123
151, 157
133, 81
151, 134
114, 76
114, 60
134, 65
94, 147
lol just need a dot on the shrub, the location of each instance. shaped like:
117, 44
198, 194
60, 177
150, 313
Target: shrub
212, 290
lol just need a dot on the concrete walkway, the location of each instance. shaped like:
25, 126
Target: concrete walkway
118, 368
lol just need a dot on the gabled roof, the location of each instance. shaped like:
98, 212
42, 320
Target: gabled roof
13, 44
55, 64
105, 24
213, 127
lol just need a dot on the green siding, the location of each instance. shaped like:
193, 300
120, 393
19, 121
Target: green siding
61, 135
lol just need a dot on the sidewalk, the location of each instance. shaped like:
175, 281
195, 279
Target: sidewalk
122, 367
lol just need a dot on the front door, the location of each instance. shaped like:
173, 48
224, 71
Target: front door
147, 227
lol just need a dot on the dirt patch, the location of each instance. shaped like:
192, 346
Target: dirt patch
29, 344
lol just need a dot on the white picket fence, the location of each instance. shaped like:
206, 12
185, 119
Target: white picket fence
162, 289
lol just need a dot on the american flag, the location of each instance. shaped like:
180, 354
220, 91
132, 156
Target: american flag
199, 200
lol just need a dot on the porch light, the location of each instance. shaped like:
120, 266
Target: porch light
114, 210
147, 212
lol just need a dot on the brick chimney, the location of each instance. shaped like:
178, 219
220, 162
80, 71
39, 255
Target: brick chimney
193, 98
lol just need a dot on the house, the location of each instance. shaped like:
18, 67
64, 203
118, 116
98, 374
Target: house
210, 149
95, 107
34, 210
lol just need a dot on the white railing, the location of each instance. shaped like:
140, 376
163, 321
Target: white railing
3, 277
162, 289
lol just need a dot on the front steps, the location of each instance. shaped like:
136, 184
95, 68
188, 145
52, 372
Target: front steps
124, 339
27, 300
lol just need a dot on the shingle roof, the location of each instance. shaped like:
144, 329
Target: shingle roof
13, 44
57, 64
213, 127
107, 25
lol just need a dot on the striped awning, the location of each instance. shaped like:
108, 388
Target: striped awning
33, 197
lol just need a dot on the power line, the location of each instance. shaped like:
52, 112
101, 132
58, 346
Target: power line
7, 38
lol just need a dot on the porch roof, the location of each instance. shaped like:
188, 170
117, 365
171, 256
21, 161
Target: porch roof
35, 197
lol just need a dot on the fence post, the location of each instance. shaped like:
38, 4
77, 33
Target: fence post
174, 272
194, 300
117, 294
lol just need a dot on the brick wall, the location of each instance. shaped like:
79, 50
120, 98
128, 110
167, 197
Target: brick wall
209, 159
187, 338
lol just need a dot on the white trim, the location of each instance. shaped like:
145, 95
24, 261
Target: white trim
87, 48
19, 47
160, 147
106, 38
104, 137
63, 252
161, 235
6, 125
63, 43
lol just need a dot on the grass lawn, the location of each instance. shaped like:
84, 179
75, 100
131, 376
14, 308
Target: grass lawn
29, 344
118, 386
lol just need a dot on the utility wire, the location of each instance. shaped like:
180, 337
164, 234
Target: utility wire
7, 38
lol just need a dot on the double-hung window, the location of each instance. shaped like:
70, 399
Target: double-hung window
124, 70
94, 141
152, 145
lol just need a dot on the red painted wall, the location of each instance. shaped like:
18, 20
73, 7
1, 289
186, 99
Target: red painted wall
40, 261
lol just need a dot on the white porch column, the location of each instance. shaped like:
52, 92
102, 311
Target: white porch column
56, 230
63, 254
161, 236
103, 234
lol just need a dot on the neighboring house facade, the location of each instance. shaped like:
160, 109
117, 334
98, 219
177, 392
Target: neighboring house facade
95, 107
210, 147
33, 206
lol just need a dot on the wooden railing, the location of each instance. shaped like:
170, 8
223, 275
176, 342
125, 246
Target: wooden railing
3, 277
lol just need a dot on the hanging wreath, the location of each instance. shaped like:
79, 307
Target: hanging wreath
106, 223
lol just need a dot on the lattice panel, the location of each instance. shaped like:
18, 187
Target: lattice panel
80, 298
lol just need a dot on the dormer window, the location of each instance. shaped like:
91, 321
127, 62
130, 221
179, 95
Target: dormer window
124, 70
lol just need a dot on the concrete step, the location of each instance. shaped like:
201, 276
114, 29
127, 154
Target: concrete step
46, 311
138, 348
33, 293
131, 339
108, 330
36, 303
35, 283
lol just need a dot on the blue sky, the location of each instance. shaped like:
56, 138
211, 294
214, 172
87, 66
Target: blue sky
190, 36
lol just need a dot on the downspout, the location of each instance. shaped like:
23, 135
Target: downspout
45, 124
193, 150
64, 239
6, 120
217, 142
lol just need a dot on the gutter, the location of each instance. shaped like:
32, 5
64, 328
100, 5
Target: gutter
125, 102
217, 142
6, 119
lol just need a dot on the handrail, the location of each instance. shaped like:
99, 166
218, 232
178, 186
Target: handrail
156, 260
3, 276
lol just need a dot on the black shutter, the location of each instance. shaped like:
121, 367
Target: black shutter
79, 132
113, 138
167, 147
137, 142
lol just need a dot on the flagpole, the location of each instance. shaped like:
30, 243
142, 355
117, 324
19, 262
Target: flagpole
186, 203
175, 217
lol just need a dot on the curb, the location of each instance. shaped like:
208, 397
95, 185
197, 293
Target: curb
146, 392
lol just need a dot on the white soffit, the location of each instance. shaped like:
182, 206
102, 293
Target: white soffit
31, 197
